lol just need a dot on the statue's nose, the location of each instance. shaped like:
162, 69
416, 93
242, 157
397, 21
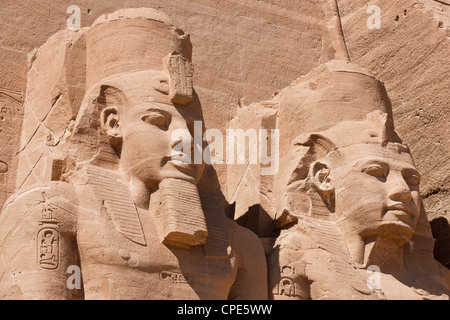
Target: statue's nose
398, 188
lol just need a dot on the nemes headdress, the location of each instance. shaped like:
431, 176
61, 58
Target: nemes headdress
333, 93
132, 40
66, 75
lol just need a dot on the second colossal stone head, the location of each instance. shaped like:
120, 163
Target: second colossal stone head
347, 164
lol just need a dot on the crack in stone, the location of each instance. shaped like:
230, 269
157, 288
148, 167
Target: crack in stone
435, 191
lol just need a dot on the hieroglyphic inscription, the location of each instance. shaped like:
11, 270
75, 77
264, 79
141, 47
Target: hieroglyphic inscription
175, 277
47, 212
48, 241
286, 285
11, 116
48, 237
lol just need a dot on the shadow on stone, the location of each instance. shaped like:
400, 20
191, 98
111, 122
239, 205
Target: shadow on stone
441, 232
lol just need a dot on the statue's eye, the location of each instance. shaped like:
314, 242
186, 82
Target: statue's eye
375, 171
156, 119
412, 178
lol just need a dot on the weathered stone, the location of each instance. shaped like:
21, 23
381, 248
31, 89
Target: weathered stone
98, 187
82, 167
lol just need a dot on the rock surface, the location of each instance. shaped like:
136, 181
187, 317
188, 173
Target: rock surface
245, 51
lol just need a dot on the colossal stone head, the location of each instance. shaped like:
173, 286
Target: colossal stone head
91, 100
353, 175
346, 163
143, 93
117, 98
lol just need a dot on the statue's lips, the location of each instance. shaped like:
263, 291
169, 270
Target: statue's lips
399, 212
400, 209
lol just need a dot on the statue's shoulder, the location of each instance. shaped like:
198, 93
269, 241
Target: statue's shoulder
245, 241
52, 205
52, 190
294, 239
251, 281
37, 234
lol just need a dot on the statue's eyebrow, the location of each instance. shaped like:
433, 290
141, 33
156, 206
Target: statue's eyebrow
359, 164
154, 109
406, 167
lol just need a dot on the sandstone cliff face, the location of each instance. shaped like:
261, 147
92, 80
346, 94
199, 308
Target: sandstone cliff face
246, 50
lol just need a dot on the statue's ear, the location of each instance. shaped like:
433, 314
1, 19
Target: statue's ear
109, 119
161, 84
320, 178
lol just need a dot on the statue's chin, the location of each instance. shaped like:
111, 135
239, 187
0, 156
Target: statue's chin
153, 182
182, 171
396, 232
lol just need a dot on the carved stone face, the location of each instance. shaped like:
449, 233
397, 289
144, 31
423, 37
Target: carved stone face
145, 125
376, 191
